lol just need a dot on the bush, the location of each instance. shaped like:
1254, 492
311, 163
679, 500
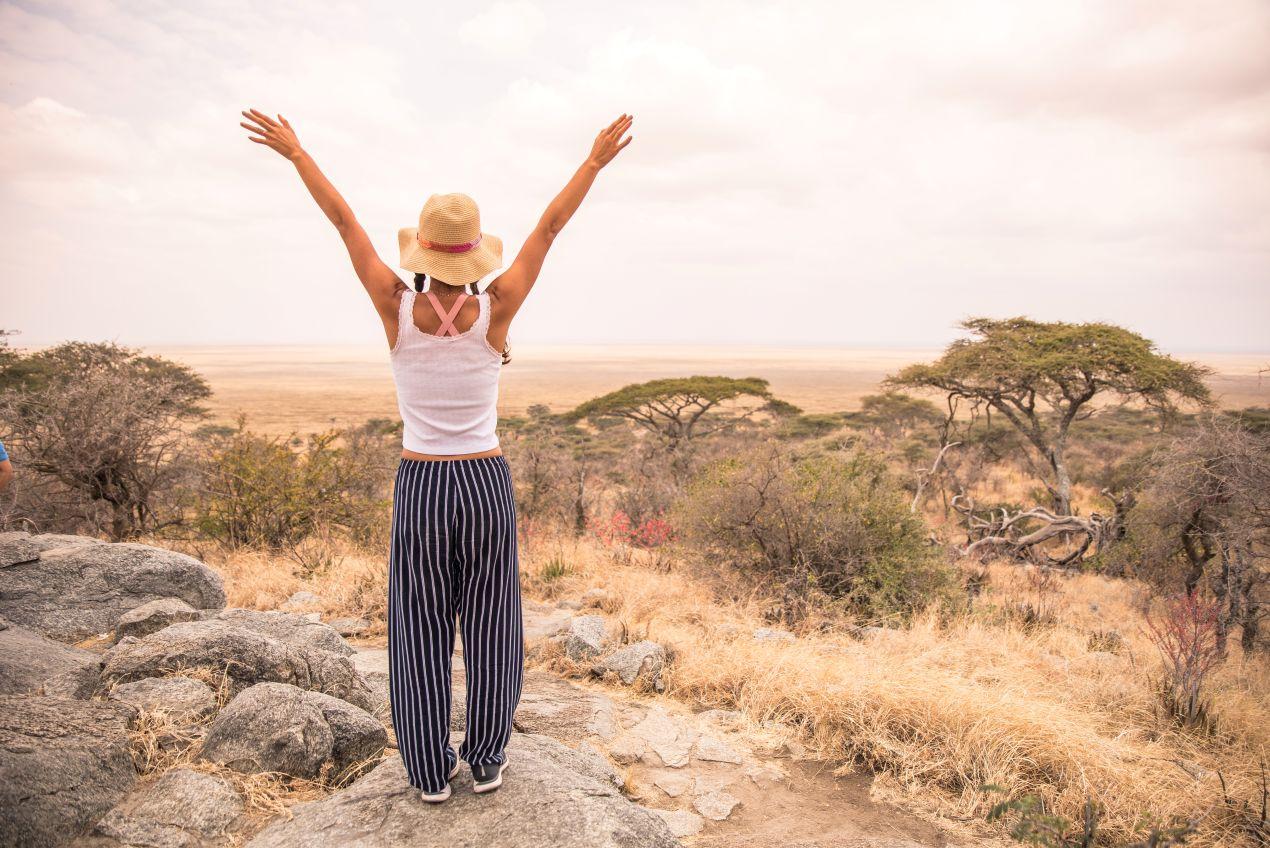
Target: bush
97, 433
259, 491
835, 526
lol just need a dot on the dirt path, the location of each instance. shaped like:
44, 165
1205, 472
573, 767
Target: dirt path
718, 781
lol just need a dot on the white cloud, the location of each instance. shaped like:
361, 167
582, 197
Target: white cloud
507, 28
835, 172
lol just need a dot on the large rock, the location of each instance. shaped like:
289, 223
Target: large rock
290, 628
274, 727
551, 796
246, 656
16, 548
154, 616
183, 809
182, 698
33, 664
63, 763
49, 541
80, 590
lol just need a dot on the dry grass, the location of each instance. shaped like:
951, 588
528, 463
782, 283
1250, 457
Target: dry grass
161, 741
1035, 702
352, 582
952, 705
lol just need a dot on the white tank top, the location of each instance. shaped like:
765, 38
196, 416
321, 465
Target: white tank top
447, 385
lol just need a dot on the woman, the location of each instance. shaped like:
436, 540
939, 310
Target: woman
454, 524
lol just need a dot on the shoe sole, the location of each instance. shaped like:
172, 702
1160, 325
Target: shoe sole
438, 797
491, 785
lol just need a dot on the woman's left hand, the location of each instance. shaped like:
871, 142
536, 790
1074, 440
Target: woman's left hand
276, 134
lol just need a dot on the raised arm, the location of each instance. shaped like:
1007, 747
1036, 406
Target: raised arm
381, 282
511, 288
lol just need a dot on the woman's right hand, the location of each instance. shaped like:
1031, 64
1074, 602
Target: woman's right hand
609, 142
277, 135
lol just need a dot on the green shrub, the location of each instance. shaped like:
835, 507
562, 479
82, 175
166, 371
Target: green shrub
260, 491
835, 526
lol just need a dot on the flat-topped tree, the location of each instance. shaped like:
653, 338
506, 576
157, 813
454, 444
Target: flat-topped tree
1042, 377
679, 409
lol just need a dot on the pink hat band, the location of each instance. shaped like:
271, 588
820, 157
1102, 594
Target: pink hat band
447, 248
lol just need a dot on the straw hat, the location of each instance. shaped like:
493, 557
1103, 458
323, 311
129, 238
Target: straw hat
448, 244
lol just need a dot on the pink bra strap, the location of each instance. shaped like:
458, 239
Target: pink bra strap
447, 321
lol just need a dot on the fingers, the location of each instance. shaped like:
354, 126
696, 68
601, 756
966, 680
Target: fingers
261, 117
623, 144
253, 128
621, 127
285, 122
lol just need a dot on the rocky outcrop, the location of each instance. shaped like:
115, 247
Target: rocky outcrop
33, 664
245, 656
274, 727
63, 763
560, 797
183, 809
182, 698
154, 616
73, 590
291, 628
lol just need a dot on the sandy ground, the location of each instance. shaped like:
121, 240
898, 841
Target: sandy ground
304, 389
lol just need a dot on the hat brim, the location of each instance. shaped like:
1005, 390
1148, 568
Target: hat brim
457, 269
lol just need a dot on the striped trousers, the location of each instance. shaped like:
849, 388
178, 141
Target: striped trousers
453, 555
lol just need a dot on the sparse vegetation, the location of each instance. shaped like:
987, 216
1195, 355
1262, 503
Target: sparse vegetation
1135, 674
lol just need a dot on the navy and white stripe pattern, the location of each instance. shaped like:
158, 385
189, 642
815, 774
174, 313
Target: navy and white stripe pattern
453, 555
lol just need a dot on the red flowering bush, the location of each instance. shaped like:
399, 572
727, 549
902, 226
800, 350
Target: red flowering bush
620, 530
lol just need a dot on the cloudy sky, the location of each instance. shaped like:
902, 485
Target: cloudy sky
842, 173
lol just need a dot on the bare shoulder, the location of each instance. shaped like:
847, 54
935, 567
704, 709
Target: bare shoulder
391, 305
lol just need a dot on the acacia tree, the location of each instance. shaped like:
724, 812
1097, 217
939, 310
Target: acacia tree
679, 409
100, 425
1043, 377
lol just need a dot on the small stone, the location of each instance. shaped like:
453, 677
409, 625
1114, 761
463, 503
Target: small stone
594, 597
682, 822
673, 783
627, 749
646, 658
300, 600
585, 637
153, 617
763, 773
727, 719
715, 750
772, 634
349, 626
712, 800
669, 739
569, 603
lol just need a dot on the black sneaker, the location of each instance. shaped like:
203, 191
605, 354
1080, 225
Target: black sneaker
488, 778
